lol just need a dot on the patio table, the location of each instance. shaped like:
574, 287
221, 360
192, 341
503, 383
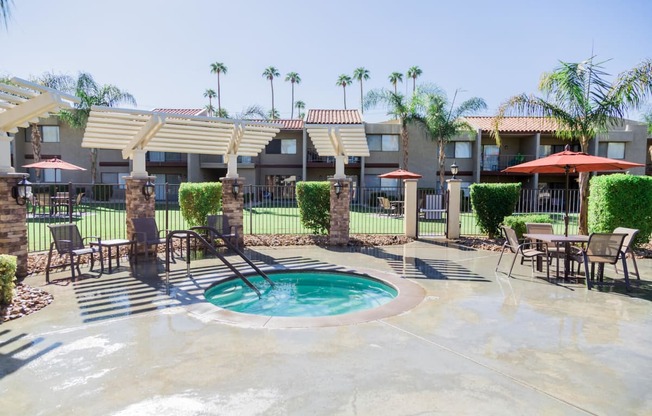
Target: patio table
109, 244
558, 240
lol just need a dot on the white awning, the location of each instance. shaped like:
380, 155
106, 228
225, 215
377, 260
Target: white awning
339, 140
131, 130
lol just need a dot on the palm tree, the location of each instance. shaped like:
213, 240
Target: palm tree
5, 11
91, 93
273, 114
218, 68
583, 104
223, 113
342, 81
414, 72
361, 74
395, 78
444, 121
210, 94
300, 105
294, 78
270, 73
251, 113
401, 109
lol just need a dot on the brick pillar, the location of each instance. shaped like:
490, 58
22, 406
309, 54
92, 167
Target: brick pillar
233, 205
340, 215
137, 206
13, 223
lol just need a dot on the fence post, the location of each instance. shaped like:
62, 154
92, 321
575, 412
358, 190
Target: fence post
453, 214
13, 223
340, 215
410, 215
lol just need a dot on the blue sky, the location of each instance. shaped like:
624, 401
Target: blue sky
160, 51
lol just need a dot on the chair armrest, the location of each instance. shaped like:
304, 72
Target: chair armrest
94, 237
135, 236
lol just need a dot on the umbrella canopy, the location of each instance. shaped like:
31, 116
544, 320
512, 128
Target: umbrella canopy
567, 162
53, 163
400, 174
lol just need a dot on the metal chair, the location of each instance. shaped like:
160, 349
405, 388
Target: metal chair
601, 249
628, 246
67, 241
524, 249
385, 206
146, 234
545, 228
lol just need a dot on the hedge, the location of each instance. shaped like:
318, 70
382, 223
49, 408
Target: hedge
517, 222
7, 278
314, 203
197, 200
492, 202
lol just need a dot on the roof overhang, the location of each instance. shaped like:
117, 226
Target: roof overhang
339, 139
130, 130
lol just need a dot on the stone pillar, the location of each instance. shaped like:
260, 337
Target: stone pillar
410, 216
233, 206
137, 206
13, 223
453, 214
340, 215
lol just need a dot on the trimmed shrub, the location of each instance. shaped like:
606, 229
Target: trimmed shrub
197, 200
621, 200
517, 222
492, 202
7, 278
314, 203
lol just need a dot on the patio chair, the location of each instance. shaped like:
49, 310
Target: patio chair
628, 246
522, 249
385, 206
220, 224
601, 249
545, 228
146, 235
67, 241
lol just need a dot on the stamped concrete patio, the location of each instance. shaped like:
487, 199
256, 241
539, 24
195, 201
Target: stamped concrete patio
479, 342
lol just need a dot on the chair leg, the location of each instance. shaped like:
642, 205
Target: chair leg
47, 266
638, 276
512, 266
586, 273
626, 273
500, 258
72, 265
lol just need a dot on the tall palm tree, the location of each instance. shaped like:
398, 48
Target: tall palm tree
444, 121
414, 72
361, 74
400, 108
300, 105
395, 78
218, 68
342, 81
210, 94
5, 12
583, 104
273, 114
294, 78
91, 93
270, 73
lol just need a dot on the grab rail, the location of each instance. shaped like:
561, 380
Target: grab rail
186, 234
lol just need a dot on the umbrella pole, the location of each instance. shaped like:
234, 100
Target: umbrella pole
566, 204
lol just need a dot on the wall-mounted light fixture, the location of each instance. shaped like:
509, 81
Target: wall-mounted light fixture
20, 191
338, 188
148, 190
455, 169
235, 189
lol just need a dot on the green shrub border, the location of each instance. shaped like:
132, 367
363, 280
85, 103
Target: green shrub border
314, 201
7, 278
492, 202
197, 200
517, 222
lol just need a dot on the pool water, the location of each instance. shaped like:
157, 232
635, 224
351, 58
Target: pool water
305, 293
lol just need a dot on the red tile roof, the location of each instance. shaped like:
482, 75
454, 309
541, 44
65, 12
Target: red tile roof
288, 124
182, 111
333, 117
515, 124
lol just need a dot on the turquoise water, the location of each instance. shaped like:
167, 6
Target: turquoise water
313, 293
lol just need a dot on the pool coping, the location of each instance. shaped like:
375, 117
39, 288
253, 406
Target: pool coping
410, 294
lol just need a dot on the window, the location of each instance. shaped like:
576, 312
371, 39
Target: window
282, 147
51, 175
245, 159
112, 178
383, 142
458, 150
156, 156
612, 150
545, 150
490, 157
50, 134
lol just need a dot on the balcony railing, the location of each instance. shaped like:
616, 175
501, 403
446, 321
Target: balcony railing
313, 157
498, 163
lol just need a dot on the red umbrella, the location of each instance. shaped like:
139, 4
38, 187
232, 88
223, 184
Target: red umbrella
567, 162
400, 174
53, 163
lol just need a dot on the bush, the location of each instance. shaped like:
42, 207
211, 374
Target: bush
621, 201
197, 200
314, 202
492, 202
7, 278
517, 222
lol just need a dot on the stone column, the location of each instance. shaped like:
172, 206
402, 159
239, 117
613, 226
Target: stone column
137, 206
410, 216
453, 214
340, 215
13, 223
233, 205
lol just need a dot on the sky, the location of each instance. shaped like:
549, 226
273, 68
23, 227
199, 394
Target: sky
161, 51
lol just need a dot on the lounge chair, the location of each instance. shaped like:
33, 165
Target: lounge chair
601, 249
524, 249
67, 241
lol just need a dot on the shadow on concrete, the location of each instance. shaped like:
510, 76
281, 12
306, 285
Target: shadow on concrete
12, 360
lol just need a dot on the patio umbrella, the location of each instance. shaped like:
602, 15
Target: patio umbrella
567, 162
400, 174
53, 163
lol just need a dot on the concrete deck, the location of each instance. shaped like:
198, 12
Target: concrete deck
478, 343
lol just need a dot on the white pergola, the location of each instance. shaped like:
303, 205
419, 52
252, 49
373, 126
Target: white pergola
135, 132
23, 102
340, 141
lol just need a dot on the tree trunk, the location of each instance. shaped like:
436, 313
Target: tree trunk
219, 97
93, 154
361, 98
344, 88
273, 112
584, 193
404, 143
292, 110
442, 163
36, 148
